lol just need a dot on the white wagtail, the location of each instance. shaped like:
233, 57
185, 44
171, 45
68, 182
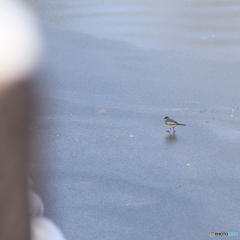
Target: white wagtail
170, 123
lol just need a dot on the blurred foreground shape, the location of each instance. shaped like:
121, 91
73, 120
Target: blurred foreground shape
19, 55
14, 117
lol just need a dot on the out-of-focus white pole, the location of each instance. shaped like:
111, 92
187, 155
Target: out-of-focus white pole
20, 42
19, 53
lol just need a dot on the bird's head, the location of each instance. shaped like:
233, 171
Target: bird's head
166, 118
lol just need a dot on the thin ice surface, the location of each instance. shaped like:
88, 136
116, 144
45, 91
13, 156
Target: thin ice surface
105, 165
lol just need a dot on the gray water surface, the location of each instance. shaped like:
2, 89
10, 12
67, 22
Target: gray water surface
211, 28
103, 162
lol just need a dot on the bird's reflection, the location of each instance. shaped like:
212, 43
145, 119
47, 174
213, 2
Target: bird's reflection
171, 138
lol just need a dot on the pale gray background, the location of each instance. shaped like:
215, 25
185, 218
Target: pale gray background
102, 162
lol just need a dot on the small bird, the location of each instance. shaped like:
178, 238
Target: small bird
170, 123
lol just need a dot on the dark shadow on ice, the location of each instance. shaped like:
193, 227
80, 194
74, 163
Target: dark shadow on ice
171, 138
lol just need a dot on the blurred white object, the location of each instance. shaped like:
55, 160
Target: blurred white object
44, 229
20, 42
36, 207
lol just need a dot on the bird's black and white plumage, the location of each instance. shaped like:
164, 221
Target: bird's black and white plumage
170, 123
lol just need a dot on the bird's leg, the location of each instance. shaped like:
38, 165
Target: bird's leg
173, 130
167, 131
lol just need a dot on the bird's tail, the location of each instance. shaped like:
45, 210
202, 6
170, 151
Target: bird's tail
182, 124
